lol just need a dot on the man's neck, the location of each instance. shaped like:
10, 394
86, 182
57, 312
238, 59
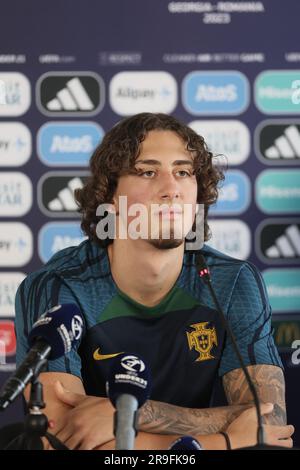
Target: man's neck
145, 273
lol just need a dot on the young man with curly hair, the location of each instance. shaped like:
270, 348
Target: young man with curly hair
143, 295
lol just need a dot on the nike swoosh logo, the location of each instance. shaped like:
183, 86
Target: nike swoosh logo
101, 357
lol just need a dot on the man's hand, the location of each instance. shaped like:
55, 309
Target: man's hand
88, 424
243, 430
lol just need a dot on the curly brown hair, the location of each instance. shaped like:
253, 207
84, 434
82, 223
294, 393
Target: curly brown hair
116, 156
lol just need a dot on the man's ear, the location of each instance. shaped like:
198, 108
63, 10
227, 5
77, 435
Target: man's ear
114, 205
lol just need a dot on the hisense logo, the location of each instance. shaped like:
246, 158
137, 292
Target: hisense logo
296, 92
277, 91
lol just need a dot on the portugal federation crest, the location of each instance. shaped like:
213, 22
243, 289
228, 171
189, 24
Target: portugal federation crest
202, 339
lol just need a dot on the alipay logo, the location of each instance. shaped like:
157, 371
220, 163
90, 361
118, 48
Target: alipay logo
229, 138
230, 236
15, 94
16, 244
283, 289
9, 283
136, 92
278, 191
15, 194
68, 143
276, 92
15, 144
214, 93
56, 236
234, 194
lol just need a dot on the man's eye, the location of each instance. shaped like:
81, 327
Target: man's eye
184, 173
147, 174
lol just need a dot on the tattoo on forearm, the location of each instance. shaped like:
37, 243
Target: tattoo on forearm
163, 418
269, 383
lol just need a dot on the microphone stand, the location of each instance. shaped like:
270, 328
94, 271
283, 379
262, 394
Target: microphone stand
36, 423
204, 273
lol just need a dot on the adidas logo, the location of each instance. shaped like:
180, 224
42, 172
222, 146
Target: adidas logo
56, 193
280, 242
279, 143
71, 98
70, 93
65, 199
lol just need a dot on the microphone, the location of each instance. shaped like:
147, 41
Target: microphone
204, 273
185, 443
128, 387
54, 334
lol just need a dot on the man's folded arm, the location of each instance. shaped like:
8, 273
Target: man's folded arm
270, 386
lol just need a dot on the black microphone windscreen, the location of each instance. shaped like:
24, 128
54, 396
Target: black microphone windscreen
185, 443
129, 375
61, 327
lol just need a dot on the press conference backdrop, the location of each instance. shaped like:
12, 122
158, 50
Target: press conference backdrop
231, 70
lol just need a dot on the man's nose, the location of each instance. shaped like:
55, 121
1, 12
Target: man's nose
170, 188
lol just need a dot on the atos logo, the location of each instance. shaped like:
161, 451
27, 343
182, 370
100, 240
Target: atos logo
215, 93
68, 143
56, 236
234, 194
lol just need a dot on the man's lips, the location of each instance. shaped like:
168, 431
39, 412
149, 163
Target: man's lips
170, 213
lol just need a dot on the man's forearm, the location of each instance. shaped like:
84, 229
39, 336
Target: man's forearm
148, 441
163, 418
270, 387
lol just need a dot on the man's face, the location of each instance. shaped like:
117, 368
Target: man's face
164, 177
